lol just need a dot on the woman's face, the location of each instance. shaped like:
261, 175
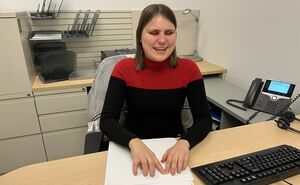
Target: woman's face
158, 39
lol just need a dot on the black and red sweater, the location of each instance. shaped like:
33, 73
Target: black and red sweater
154, 97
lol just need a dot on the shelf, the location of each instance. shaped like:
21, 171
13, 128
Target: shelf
43, 16
46, 36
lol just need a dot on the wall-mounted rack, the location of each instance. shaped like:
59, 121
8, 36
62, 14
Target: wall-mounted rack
83, 29
46, 13
114, 29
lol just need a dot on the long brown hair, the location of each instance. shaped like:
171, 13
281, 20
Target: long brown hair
147, 15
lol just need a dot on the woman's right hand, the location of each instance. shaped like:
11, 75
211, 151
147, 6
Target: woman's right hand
144, 158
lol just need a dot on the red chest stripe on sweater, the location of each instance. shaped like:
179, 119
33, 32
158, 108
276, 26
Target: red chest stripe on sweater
157, 75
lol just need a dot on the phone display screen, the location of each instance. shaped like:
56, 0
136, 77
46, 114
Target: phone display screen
279, 88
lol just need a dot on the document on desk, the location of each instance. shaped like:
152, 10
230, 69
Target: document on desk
119, 166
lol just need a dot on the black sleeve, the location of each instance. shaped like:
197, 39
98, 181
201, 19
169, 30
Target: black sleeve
110, 115
202, 122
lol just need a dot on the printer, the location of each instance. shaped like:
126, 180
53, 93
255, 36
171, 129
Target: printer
53, 61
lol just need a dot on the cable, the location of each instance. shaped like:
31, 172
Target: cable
251, 117
124, 108
242, 108
286, 182
283, 180
96, 117
236, 106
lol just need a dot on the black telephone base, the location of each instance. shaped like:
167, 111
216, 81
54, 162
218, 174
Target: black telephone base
264, 104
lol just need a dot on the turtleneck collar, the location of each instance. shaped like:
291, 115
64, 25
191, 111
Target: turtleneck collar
156, 66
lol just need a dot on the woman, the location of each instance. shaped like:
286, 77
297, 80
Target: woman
154, 85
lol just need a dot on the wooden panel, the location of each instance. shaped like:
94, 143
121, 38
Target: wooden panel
97, 43
113, 32
56, 91
90, 54
52, 22
97, 27
100, 48
103, 14
101, 38
87, 62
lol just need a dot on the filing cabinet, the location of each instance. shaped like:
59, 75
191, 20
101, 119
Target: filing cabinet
64, 143
18, 118
63, 118
21, 151
20, 135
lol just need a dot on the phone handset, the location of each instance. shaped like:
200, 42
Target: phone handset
253, 92
251, 96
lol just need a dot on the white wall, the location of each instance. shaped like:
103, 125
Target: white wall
251, 38
96, 4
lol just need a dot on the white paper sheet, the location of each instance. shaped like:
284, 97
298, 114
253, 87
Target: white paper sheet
47, 36
119, 166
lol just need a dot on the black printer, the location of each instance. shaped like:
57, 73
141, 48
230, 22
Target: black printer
53, 61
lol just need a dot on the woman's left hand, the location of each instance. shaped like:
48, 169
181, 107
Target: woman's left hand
176, 157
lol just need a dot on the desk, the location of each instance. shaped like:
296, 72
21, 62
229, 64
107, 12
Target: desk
90, 169
219, 90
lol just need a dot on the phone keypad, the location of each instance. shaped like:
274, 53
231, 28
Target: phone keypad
267, 104
271, 106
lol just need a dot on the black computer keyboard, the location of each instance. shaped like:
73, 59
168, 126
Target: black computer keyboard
261, 167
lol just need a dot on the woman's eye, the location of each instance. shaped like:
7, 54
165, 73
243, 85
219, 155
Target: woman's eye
169, 32
154, 32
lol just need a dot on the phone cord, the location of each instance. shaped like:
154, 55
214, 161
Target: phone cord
236, 106
251, 117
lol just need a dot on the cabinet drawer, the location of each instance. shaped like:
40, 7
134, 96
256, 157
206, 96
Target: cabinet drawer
65, 143
18, 152
18, 118
65, 120
61, 102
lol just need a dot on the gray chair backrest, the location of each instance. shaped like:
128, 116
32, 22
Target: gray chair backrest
97, 93
186, 116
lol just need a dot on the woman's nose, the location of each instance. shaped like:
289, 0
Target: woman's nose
161, 38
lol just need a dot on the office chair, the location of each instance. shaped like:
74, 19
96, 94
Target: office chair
95, 140
94, 137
